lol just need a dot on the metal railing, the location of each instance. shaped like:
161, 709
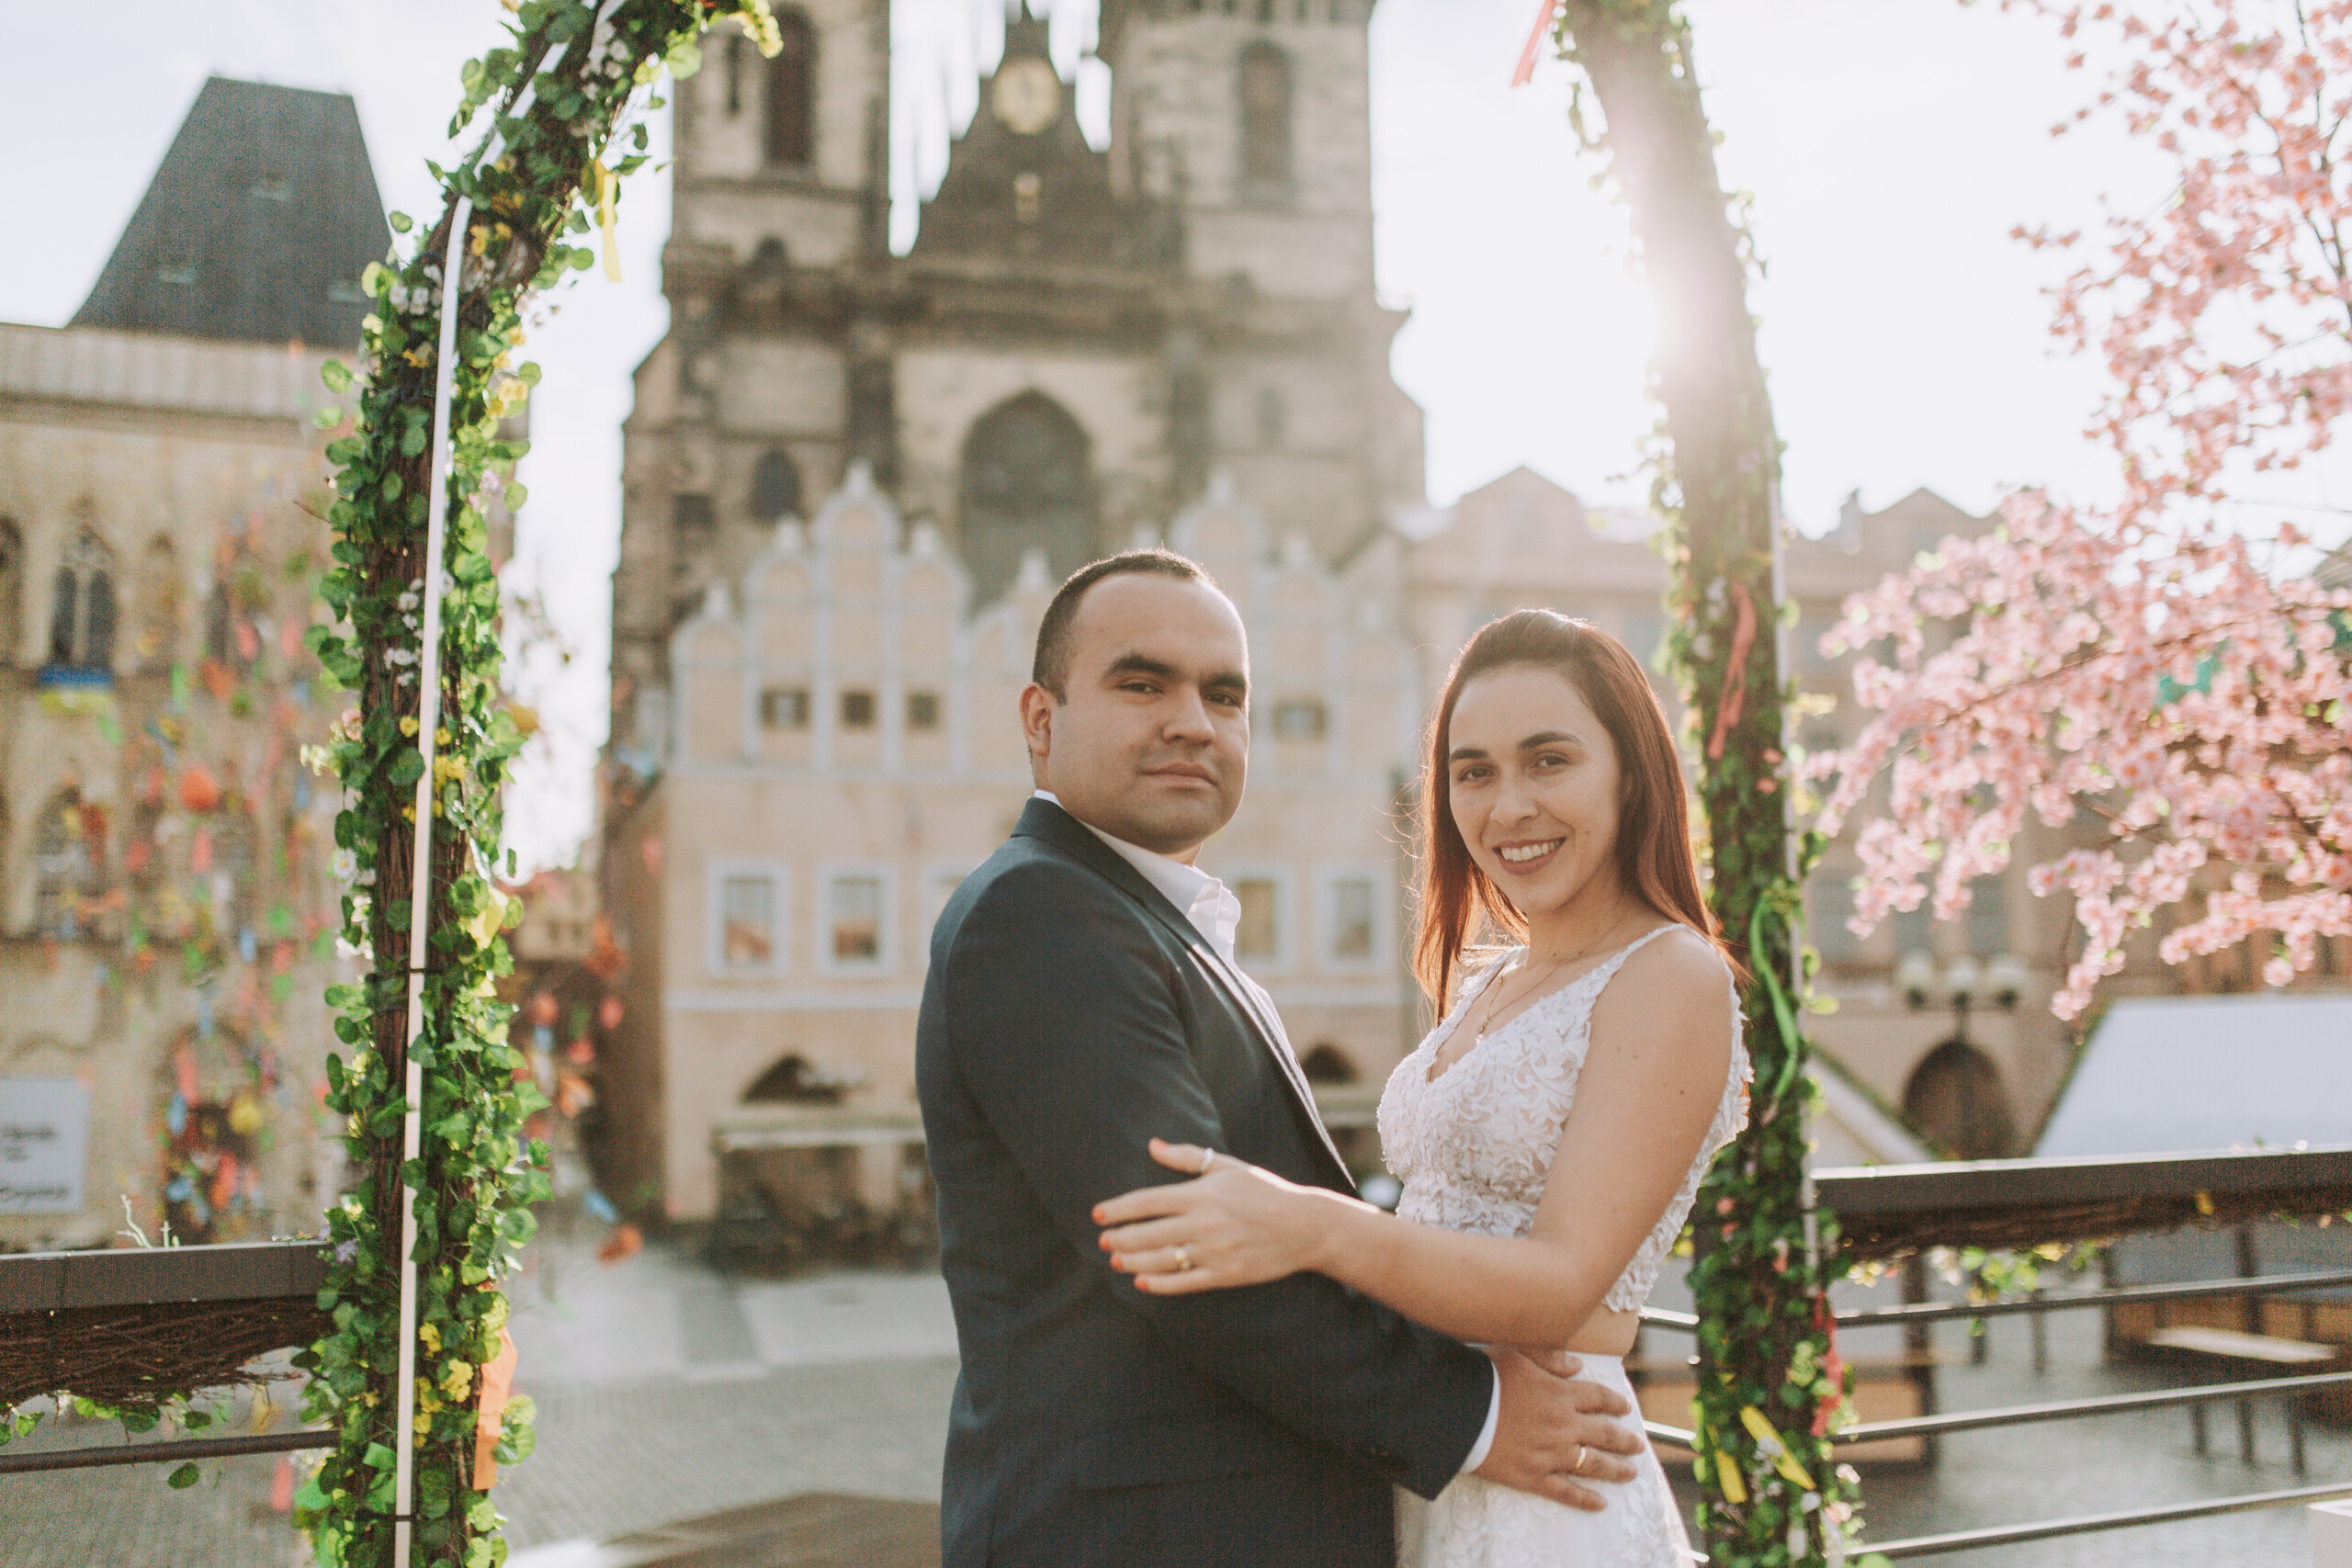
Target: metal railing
2290, 1389
91, 1456
1919, 1206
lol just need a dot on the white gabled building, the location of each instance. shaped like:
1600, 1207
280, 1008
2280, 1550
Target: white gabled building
843, 746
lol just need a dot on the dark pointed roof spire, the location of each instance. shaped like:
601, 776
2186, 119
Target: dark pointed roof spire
256, 226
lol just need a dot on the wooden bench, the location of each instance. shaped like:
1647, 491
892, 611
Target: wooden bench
2259, 1354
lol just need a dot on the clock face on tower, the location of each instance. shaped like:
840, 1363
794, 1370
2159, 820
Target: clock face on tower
1027, 95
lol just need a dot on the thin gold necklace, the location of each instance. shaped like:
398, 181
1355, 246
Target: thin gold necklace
1494, 1006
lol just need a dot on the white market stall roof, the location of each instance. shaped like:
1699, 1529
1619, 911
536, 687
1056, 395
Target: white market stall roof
1850, 1130
2179, 1074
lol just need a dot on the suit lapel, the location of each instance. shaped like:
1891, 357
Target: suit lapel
1044, 819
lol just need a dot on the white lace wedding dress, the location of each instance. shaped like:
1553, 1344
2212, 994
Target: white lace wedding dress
1473, 1149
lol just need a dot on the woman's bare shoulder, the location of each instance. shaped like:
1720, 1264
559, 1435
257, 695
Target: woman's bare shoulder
1678, 979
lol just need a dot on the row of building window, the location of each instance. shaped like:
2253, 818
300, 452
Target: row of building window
749, 932
789, 707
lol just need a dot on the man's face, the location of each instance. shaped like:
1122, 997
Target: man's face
1151, 743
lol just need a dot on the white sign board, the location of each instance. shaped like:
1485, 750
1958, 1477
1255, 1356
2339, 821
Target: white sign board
44, 1143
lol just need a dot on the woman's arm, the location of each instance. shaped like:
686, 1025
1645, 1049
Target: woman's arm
1647, 1094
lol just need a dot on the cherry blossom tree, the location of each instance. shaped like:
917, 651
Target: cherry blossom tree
2146, 666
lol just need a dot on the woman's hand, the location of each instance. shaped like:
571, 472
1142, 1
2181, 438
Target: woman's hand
1234, 1225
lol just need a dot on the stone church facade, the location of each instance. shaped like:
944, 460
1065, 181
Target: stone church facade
814, 726
168, 908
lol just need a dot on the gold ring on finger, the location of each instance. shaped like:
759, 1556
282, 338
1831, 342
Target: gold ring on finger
1184, 1261
1577, 1468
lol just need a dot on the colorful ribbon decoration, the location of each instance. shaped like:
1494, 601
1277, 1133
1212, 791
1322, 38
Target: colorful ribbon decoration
1526, 72
607, 183
497, 1378
1735, 698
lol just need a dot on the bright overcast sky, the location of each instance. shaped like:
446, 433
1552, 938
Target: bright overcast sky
1890, 147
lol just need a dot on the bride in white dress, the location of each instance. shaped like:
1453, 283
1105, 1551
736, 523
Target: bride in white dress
1552, 1130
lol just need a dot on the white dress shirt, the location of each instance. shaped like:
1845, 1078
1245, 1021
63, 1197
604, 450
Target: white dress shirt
1216, 913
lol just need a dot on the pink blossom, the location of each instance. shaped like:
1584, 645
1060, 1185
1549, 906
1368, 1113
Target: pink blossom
2137, 667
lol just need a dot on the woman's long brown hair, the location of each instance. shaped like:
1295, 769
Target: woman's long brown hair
1655, 859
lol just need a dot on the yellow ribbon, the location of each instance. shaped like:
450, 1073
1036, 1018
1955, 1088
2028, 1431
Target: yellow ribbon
1774, 1448
605, 182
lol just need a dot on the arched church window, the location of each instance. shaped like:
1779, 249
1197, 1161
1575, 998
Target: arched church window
776, 486
694, 542
1956, 1098
1028, 485
157, 605
81, 606
791, 93
1265, 122
68, 850
12, 589
239, 588
98, 621
64, 597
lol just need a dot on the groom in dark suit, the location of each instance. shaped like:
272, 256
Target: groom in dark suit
1082, 998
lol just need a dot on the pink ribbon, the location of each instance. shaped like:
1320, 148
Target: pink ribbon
1546, 10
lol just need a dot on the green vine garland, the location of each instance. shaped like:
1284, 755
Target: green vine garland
1770, 1386
475, 1177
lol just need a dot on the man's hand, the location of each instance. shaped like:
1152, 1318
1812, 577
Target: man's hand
1553, 1432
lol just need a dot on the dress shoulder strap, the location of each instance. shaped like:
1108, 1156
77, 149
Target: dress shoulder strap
1607, 968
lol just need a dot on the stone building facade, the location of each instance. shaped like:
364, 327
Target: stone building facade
844, 748
813, 706
167, 906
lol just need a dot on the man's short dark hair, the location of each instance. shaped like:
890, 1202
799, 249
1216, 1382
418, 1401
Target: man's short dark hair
1050, 668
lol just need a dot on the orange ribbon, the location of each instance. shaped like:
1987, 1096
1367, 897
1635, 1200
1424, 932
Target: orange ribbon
496, 1379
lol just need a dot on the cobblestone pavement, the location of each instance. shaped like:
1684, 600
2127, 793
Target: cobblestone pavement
667, 1392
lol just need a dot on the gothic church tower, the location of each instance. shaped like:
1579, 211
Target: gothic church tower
1076, 339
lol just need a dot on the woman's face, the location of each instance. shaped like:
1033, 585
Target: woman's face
1534, 787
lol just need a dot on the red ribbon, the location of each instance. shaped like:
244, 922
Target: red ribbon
1734, 698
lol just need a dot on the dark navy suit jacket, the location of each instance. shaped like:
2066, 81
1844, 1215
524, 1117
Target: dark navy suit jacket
1070, 1014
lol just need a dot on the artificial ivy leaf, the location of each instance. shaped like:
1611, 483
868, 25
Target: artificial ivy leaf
407, 766
334, 372
183, 1478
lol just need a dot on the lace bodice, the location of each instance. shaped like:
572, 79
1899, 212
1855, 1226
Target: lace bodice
1474, 1148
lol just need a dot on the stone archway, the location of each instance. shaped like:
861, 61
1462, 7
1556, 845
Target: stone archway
1028, 484
1956, 1097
